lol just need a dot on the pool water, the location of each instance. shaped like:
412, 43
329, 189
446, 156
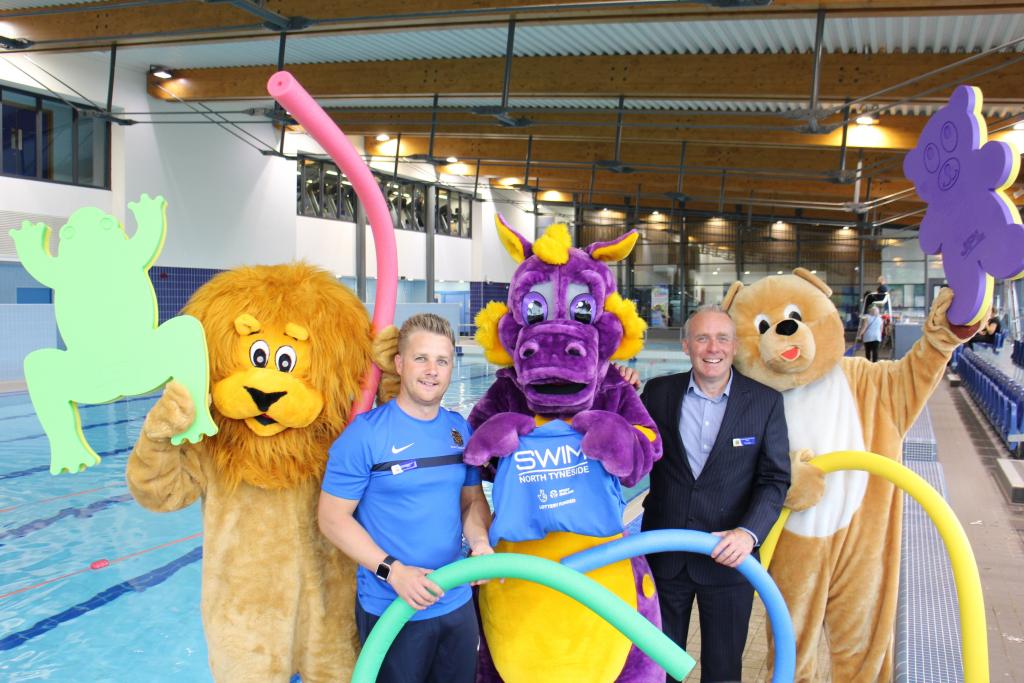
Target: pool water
136, 616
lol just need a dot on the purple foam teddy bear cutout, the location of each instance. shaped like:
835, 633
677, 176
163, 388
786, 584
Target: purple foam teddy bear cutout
561, 338
969, 220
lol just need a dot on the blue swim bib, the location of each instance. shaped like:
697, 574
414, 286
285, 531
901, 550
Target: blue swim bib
547, 484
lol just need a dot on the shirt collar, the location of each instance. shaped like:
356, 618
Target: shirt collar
693, 388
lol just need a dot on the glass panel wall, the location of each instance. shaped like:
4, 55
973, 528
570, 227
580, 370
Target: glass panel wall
712, 252
48, 139
57, 141
324, 192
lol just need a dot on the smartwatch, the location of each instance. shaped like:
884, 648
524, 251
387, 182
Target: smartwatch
384, 569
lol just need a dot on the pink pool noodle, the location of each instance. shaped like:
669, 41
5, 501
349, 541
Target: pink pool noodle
283, 87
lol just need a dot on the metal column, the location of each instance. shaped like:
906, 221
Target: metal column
430, 220
360, 251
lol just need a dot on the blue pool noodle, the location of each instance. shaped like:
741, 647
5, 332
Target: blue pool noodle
687, 540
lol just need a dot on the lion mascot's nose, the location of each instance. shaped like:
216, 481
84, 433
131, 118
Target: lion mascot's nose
264, 400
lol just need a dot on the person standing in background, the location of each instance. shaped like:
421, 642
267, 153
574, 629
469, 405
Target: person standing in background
871, 333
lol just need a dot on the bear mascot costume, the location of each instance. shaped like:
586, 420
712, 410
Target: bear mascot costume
837, 559
288, 346
557, 487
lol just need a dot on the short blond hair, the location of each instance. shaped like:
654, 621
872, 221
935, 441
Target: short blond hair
424, 322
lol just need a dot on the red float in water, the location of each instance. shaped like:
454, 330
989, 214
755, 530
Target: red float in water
99, 564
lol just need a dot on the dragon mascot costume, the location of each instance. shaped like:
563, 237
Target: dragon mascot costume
563, 324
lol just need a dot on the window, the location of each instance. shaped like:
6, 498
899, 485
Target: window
324, 192
454, 210
47, 139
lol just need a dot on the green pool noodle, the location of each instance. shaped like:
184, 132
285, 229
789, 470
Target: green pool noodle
106, 312
577, 586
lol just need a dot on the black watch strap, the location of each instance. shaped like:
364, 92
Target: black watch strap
384, 568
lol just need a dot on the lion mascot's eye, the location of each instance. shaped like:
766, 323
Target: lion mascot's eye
259, 353
285, 359
535, 308
762, 324
793, 312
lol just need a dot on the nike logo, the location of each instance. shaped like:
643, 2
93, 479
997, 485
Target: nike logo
396, 451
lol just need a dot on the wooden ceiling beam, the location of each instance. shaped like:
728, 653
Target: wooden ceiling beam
784, 77
820, 161
738, 189
733, 130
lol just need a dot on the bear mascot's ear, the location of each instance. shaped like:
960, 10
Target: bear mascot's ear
730, 296
813, 279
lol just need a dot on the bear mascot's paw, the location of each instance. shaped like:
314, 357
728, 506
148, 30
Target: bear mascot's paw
808, 481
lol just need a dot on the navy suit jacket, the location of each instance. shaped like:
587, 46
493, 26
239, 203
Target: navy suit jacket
740, 485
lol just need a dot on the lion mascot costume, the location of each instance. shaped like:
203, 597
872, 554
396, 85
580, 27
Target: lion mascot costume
288, 347
837, 560
557, 487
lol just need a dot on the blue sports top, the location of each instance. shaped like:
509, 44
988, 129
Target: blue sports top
547, 484
412, 512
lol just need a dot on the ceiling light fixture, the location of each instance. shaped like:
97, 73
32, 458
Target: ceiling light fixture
161, 72
452, 160
383, 137
1019, 125
866, 120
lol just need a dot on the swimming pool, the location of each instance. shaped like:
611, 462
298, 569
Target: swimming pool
137, 618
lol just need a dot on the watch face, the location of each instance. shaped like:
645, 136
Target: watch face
383, 571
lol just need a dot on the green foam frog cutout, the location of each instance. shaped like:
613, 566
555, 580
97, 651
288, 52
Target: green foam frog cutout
106, 312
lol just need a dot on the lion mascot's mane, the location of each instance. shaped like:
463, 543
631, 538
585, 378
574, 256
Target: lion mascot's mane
276, 295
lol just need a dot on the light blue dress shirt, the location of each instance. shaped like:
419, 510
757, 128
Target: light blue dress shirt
699, 422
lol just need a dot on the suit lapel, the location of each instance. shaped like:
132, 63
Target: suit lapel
679, 392
734, 409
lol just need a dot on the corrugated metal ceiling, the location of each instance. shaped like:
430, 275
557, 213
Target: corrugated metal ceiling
26, 4
861, 35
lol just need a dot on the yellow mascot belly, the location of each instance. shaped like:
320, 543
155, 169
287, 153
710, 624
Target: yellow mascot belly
536, 634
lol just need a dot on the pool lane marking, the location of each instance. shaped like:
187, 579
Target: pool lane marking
41, 435
66, 495
85, 407
136, 585
46, 468
81, 512
89, 568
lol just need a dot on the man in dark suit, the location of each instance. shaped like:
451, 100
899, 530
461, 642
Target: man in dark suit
725, 470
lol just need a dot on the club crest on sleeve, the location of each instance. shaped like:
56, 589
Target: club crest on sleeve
457, 438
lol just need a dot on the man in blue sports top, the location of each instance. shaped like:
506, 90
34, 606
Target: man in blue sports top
398, 500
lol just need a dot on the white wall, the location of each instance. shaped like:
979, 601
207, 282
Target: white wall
491, 263
453, 258
228, 204
328, 244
